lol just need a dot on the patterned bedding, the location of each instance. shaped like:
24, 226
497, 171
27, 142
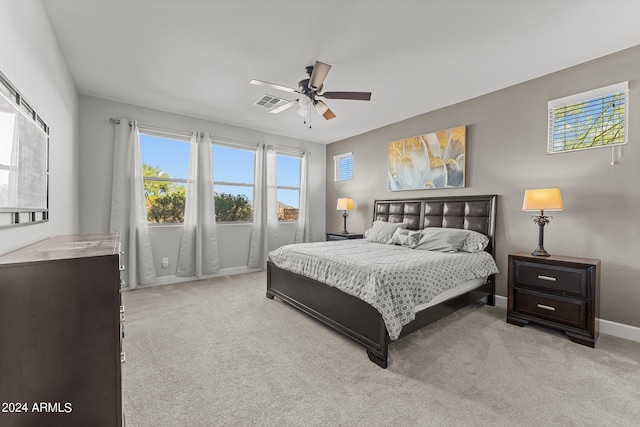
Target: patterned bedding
393, 279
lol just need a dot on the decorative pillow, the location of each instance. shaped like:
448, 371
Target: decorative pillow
404, 237
475, 242
382, 232
441, 239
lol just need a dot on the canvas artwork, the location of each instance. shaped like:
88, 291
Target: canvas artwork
432, 160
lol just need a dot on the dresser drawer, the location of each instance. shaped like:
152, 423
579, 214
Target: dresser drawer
564, 280
569, 311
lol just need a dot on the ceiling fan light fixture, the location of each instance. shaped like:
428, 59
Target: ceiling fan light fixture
304, 103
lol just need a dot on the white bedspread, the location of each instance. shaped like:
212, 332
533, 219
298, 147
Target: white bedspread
393, 279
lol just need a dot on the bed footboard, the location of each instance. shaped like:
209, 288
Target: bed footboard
355, 318
336, 309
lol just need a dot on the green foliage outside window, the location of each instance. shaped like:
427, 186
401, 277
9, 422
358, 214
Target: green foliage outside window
166, 201
233, 208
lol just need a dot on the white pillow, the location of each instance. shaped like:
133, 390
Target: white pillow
382, 232
475, 242
441, 239
404, 237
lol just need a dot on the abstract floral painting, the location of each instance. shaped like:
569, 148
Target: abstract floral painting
432, 160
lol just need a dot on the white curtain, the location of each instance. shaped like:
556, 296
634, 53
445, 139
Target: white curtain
12, 179
264, 234
199, 243
303, 228
128, 208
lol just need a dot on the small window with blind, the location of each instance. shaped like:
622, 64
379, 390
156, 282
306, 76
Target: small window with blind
593, 119
343, 167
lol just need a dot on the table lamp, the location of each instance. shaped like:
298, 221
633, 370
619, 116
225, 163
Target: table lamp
542, 199
345, 205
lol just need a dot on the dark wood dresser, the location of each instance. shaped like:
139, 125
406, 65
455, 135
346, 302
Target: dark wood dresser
557, 291
61, 333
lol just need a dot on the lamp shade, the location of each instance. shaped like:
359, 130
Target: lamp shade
542, 199
345, 204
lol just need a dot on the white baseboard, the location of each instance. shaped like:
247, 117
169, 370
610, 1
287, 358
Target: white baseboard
608, 327
620, 330
171, 280
501, 302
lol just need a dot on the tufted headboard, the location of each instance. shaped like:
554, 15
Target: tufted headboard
476, 213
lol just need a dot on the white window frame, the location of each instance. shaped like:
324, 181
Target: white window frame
284, 187
592, 95
232, 183
178, 137
337, 169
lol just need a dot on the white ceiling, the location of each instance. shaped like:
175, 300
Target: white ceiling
196, 57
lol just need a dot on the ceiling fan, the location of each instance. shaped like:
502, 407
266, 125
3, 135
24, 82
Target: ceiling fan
310, 89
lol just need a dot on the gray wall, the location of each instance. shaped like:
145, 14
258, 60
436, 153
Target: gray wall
506, 153
32, 61
96, 163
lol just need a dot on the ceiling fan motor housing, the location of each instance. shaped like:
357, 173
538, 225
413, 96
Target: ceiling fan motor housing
303, 87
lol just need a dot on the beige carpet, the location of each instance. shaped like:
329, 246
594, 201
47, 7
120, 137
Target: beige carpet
219, 353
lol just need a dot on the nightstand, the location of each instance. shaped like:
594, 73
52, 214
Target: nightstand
343, 236
558, 291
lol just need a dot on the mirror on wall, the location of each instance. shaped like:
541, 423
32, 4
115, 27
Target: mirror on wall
24, 160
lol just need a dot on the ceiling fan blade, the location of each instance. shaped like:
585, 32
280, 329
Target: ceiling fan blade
357, 96
324, 110
273, 85
319, 73
284, 107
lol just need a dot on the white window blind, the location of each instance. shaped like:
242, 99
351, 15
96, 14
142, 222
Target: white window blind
343, 167
593, 119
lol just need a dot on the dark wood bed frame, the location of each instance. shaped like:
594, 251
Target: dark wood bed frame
360, 321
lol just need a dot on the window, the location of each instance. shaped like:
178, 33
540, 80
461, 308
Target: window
593, 119
288, 187
165, 164
343, 167
233, 173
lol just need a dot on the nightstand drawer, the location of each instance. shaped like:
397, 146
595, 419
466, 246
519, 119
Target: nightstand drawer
569, 311
568, 281
343, 236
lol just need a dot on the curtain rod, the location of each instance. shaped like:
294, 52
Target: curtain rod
157, 129
221, 140
289, 150
232, 142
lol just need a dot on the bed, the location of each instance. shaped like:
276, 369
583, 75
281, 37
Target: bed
358, 319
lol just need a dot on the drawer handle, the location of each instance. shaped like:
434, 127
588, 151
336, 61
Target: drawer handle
546, 307
549, 278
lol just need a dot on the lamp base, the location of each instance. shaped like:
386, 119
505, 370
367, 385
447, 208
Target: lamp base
541, 220
345, 214
540, 252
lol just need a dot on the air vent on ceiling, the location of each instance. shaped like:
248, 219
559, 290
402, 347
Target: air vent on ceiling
270, 101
